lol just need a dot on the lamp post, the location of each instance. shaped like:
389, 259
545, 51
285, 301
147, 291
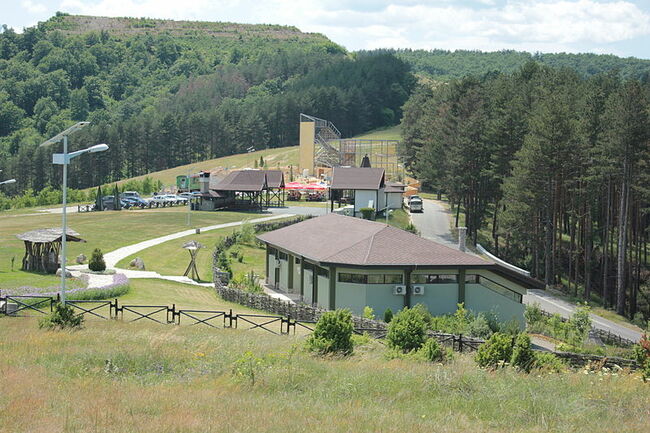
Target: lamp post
64, 159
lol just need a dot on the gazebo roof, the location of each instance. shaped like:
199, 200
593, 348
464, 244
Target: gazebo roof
193, 245
49, 235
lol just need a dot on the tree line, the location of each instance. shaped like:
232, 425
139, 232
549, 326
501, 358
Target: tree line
547, 169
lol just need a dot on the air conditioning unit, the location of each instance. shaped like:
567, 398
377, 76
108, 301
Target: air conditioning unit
399, 290
418, 290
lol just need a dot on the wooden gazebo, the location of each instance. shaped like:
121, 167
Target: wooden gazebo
42, 248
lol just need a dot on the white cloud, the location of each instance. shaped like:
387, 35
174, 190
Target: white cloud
32, 7
545, 25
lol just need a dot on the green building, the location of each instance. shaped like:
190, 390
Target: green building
336, 261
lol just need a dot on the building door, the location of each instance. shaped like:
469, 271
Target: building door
276, 280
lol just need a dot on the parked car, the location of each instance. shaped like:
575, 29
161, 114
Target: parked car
190, 195
135, 201
168, 199
131, 194
108, 202
415, 204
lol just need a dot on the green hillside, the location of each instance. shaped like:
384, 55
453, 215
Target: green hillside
443, 64
164, 94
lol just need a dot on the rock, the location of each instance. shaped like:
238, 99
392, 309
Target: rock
67, 273
137, 263
81, 259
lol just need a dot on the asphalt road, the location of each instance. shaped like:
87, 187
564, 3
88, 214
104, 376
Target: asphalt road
434, 224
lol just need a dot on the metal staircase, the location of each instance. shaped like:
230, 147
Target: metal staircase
326, 154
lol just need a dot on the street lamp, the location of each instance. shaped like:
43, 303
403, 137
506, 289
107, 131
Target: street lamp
64, 159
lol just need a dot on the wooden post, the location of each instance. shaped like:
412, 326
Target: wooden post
461, 286
332, 281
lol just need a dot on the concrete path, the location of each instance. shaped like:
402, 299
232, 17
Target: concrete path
119, 254
433, 223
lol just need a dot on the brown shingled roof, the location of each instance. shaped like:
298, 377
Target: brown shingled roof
274, 178
357, 178
394, 187
345, 240
242, 180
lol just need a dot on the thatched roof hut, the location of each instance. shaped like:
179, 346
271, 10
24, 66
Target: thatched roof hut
42, 248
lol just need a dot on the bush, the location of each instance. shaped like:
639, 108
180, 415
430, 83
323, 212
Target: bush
407, 330
246, 233
333, 333
496, 351
546, 361
388, 315
580, 323
368, 313
432, 351
97, 263
479, 327
642, 355
368, 213
534, 316
410, 227
523, 356
62, 317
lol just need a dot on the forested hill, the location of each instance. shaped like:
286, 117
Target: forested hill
442, 64
164, 93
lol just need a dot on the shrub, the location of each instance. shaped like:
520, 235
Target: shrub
388, 315
479, 327
62, 317
410, 227
97, 263
642, 355
407, 330
580, 323
546, 361
223, 263
523, 356
367, 213
496, 351
534, 316
333, 333
368, 313
432, 351
247, 233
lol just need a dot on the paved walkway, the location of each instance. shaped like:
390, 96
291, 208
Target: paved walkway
119, 254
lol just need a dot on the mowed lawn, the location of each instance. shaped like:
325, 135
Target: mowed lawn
146, 377
105, 230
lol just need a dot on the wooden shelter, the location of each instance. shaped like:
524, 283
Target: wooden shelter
42, 248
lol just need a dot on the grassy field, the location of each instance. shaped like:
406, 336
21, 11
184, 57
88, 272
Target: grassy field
140, 377
282, 156
389, 133
105, 230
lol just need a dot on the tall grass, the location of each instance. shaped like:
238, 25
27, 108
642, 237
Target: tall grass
144, 378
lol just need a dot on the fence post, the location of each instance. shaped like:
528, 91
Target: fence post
460, 343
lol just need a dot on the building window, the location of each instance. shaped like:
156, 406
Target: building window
322, 272
370, 278
494, 286
353, 278
273, 252
297, 260
435, 279
308, 266
283, 256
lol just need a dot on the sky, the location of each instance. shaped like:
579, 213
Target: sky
620, 27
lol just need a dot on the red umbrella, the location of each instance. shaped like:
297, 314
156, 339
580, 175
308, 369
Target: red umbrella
294, 185
315, 187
